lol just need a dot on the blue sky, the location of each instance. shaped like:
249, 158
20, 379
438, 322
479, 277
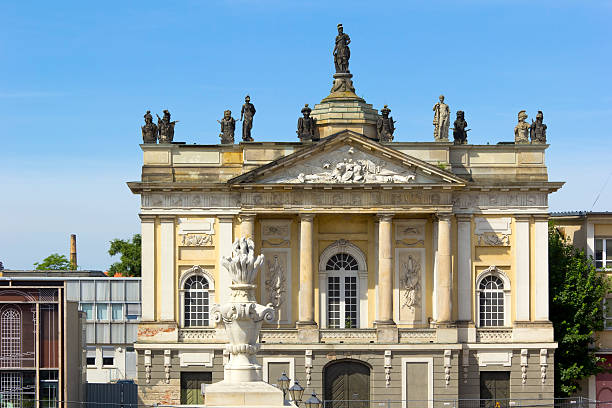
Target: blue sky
77, 76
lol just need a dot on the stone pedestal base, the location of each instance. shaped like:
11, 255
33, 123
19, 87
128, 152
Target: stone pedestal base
447, 334
243, 394
307, 332
386, 332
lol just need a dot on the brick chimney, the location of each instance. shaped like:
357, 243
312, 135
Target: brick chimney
73, 252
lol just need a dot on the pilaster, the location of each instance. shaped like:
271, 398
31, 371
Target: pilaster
444, 270
247, 225
226, 226
167, 268
464, 265
147, 232
541, 267
522, 264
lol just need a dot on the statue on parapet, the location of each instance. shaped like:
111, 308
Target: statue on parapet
228, 126
521, 130
246, 116
441, 120
149, 130
459, 129
385, 126
166, 127
538, 129
306, 126
341, 52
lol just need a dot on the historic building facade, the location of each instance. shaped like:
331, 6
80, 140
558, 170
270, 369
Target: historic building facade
399, 270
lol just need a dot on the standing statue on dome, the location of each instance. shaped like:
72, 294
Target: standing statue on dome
246, 115
342, 53
385, 126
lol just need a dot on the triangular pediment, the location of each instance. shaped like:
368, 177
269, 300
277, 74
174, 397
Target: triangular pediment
348, 158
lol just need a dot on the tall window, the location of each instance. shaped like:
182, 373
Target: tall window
342, 290
603, 253
10, 344
196, 301
491, 301
11, 386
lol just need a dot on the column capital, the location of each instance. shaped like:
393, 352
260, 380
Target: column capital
444, 216
225, 218
385, 217
309, 217
540, 217
522, 217
147, 217
463, 217
167, 218
246, 217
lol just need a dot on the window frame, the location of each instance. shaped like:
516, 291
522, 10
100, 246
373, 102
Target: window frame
196, 271
605, 264
507, 306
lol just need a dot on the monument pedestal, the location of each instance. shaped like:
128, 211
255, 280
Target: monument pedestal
243, 394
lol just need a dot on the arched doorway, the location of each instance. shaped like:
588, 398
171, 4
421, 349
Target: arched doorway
346, 381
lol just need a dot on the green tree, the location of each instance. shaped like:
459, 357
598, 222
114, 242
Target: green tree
577, 292
129, 265
54, 262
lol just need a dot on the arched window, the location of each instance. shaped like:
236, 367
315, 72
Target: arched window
342, 293
196, 301
10, 343
492, 307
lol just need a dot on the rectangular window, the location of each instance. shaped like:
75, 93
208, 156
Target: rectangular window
132, 290
91, 356
603, 253
102, 311
102, 290
117, 290
132, 311
117, 311
108, 356
88, 309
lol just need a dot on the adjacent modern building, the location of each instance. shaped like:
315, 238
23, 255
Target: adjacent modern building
592, 232
112, 310
404, 270
41, 343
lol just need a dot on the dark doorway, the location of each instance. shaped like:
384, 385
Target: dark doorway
494, 389
191, 387
347, 385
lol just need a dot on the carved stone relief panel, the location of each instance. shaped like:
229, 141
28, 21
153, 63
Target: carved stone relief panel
410, 285
196, 232
410, 232
276, 282
474, 201
493, 231
275, 232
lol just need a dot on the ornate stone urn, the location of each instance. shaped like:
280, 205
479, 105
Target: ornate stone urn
243, 316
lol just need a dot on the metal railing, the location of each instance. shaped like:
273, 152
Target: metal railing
578, 402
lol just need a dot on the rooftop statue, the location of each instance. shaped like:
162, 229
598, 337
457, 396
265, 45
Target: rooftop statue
246, 115
228, 126
306, 126
385, 126
149, 130
521, 130
459, 129
538, 129
342, 53
441, 120
166, 128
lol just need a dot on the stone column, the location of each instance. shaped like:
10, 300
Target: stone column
147, 231
247, 226
464, 266
307, 278
166, 252
307, 327
226, 235
541, 267
444, 270
522, 264
385, 269
386, 330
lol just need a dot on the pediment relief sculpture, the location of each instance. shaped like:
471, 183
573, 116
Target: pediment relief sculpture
346, 165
